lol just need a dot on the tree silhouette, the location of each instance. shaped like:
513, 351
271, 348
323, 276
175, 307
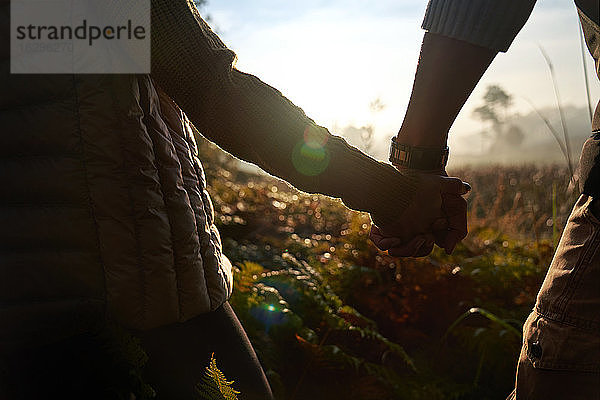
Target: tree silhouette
496, 105
495, 111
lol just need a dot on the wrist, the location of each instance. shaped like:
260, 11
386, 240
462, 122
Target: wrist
422, 135
413, 171
418, 158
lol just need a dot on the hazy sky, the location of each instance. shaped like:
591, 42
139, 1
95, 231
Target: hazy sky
333, 58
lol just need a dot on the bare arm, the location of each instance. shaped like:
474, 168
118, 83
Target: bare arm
462, 40
447, 73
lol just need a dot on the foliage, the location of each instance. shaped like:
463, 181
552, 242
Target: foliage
332, 317
104, 364
214, 385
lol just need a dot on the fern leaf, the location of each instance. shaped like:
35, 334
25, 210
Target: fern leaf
214, 384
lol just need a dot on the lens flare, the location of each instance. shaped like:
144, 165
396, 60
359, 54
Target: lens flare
310, 157
315, 136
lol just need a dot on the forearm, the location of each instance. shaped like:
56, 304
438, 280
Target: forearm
256, 123
462, 40
447, 73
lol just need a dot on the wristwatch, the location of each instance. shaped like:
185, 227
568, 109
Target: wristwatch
417, 157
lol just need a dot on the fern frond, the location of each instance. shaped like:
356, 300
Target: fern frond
214, 384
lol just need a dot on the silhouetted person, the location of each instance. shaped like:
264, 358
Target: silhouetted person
560, 356
104, 213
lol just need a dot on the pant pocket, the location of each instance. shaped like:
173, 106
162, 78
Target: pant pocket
555, 346
557, 361
569, 294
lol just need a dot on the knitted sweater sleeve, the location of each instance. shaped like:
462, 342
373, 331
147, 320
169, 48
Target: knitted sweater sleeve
256, 123
488, 23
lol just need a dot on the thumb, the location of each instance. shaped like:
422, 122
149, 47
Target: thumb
454, 186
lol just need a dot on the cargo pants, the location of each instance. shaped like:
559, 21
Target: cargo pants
560, 355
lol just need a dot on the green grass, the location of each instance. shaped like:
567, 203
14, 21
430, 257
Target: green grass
332, 317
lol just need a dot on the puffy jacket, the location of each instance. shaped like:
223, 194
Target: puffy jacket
103, 207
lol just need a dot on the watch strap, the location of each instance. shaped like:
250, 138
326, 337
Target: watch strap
417, 157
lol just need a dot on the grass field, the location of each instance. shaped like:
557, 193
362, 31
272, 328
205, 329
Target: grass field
332, 317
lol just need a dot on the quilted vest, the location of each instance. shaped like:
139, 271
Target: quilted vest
103, 207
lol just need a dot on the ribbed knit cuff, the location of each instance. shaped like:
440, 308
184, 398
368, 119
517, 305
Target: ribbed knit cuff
488, 23
366, 184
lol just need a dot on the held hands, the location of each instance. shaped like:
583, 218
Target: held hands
437, 214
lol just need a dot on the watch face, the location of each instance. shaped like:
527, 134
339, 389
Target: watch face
402, 155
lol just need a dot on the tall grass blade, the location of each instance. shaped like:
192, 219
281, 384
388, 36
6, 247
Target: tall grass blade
479, 369
486, 314
563, 120
554, 219
556, 136
585, 72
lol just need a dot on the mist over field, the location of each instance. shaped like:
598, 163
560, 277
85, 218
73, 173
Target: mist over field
524, 139
537, 144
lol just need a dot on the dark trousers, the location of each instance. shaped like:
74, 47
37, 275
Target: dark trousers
179, 353
90, 367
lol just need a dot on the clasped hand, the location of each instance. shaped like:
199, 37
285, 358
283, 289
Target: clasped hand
437, 214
